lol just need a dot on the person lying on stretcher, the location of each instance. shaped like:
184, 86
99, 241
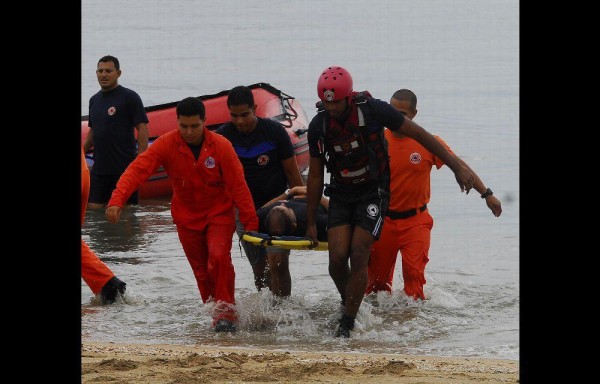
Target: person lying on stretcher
285, 215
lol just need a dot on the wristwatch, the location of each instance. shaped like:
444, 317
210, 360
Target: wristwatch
288, 195
487, 193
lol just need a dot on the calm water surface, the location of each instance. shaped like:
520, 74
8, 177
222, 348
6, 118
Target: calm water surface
459, 57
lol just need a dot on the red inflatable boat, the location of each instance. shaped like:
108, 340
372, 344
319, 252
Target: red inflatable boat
270, 103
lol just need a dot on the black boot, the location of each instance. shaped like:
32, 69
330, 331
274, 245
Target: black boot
224, 325
346, 325
108, 294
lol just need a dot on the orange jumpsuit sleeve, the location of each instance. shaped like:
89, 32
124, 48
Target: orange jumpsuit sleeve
138, 172
437, 161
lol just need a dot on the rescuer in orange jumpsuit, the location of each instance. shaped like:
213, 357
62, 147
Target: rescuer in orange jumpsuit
407, 226
94, 272
208, 181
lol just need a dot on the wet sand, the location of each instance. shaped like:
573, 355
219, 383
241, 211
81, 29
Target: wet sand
176, 364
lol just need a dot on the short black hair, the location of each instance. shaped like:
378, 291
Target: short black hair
406, 95
191, 106
108, 58
278, 223
240, 95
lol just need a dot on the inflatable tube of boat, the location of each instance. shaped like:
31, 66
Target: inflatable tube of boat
270, 103
288, 242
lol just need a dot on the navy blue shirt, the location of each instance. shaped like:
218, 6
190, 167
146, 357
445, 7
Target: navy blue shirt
383, 113
261, 153
113, 116
299, 206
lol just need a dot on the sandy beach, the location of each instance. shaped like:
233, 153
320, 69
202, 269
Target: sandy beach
176, 364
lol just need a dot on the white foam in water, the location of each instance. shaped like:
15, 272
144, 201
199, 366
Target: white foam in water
444, 299
126, 298
365, 319
286, 316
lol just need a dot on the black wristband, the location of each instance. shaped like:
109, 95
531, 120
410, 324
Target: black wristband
488, 192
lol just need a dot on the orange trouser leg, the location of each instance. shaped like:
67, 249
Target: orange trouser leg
209, 255
93, 271
412, 238
383, 258
415, 254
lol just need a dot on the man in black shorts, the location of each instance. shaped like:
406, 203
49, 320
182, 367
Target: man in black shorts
347, 136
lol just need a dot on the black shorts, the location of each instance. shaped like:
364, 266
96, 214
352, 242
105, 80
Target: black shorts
102, 186
365, 207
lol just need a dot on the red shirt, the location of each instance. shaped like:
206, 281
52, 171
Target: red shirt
204, 190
